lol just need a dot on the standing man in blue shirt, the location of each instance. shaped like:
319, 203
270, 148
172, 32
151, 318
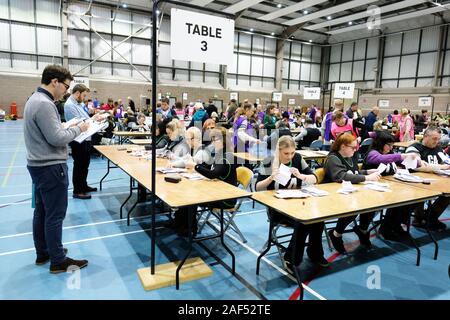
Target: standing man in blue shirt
74, 108
46, 141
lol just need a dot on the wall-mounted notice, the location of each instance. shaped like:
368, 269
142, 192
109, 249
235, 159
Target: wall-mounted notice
79, 80
257, 101
201, 37
312, 93
159, 96
425, 101
383, 103
277, 96
234, 96
184, 95
291, 102
344, 90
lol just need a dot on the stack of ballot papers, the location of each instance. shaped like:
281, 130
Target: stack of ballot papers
193, 176
315, 192
404, 175
347, 188
284, 175
72, 122
377, 186
410, 163
290, 193
170, 170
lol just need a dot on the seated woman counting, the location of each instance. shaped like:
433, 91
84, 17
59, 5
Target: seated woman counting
162, 139
381, 152
342, 165
177, 146
221, 167
301, 173
197, 154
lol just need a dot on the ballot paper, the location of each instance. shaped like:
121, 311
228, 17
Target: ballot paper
94, 127
404, 175
193, 176
315, 192
290, 193
410, 163
72, 122
443, 172
381, 168
444, 158
377, 186
347, 188
284, 175
170, 170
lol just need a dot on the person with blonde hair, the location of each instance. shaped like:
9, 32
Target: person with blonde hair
342, 165
406, 126
177, 144
301, 174
197, 154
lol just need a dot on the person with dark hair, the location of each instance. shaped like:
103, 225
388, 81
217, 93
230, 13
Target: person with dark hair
282, 129
46, 143
162, 139
211, 108
433, 159
381, 152
80, 151
307, 134
131, 104
165, 110
422, 121
60, 106
270, 119
342, 165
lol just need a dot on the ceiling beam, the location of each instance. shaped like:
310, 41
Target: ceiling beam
293, 8
241, 5
401, 17
329, 11
201, 2
360, 15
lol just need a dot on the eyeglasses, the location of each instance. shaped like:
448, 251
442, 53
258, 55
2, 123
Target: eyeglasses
352, 147
65, 85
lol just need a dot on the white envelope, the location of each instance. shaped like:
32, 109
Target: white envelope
284, 175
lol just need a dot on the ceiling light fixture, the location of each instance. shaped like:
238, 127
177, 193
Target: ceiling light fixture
279, 5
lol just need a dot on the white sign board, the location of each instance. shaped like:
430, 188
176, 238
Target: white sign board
257, 101
234, 96
383, 103
159, 96
79, 80
344, 90
311, 93
201, 37
184, 95
277, 96
291, 101
425, 101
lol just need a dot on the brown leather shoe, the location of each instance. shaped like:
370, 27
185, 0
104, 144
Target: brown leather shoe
82, 196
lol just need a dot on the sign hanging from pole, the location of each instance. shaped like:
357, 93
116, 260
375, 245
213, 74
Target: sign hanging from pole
277, 96
79, 80
425, 101
344, 90
201, 37
311, 93
291, 102
383, 103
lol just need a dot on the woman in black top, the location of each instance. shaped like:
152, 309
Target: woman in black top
222, 167
162, 139
300, 173
342, 165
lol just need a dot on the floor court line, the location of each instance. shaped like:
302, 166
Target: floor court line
13, 160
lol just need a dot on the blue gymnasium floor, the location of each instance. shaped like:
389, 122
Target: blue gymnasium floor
94, 231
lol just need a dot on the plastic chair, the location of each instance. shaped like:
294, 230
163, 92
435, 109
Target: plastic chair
316, 145
364, 148
244, 177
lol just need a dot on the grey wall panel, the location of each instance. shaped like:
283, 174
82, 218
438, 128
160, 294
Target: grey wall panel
124, 49
316, 54
425, 82
22, 10
4, 9
285, 69
144, 70
141, 52
76, 65
244, 64
306, 52
79, 44
45, 61
346, 71
372, 48
256, 83
426, 64
392, 45
99, 47
27, 38
411, 42
164, 31
122, 70
358, 70
103, 22
430, 39
258, 44
446, 71
296, 51
390, 67
101, 68
49, 41
408, 67
140, 21
315, 72
335, 53
4, 36
212, 67
233, 68
270, 46
347, 51
257, 66
370, 69
196, 65
268, 83
407, 83
269, 67
24, 62
245, 42
182, 75
389, 84
360, 49
47, 12
181, 64
334, 72
294, 71
305, 72
164, 58
196, 76
122, 27
74, 21
211, 78
5, 60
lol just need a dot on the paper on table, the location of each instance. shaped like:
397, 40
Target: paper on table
377, 186
170, 170
410, 163
381, 168
193, 176
347, 188
287, 193
284, 175
316, 192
